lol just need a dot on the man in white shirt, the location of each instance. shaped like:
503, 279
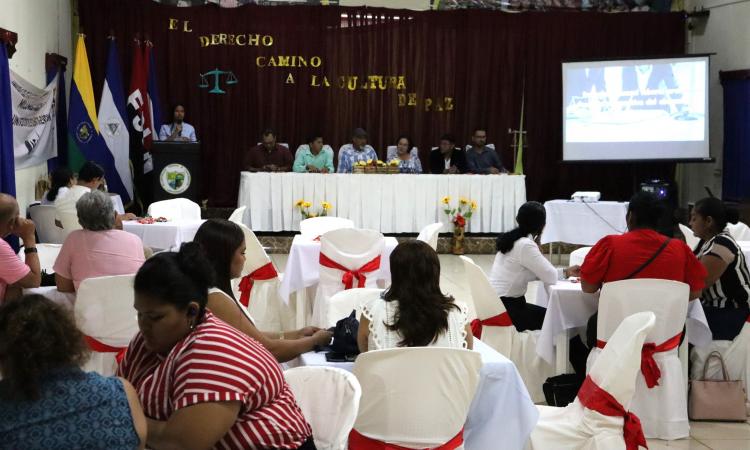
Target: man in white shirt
178, 130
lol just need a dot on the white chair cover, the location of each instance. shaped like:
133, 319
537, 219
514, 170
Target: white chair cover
238, 215
43, 217
739, 231
690, 239
326, 148
343, 303
318, 226
468, 146
578, 256
329, 399
391, 153
70, 223
662, 408
175, 209
47, 255
576, 427
351, 248
104, 311
265, 305
427, 405
430, 234
518, 347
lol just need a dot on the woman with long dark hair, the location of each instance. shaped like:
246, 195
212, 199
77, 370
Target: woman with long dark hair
61, 180
223, 243
519, 261
413, 311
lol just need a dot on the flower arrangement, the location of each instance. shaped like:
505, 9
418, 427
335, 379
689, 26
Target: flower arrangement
459, 216
304, 209
393, 162
370, 166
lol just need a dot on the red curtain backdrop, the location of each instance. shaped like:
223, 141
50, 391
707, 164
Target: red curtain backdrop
475, 65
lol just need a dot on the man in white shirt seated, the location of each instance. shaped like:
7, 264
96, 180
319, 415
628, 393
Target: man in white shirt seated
178, 130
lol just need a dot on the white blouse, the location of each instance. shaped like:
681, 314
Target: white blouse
511, 272
379, 312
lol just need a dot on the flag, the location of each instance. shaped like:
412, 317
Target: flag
153, 95
139, 113
518, 169
7, 164
112, 118
62, 117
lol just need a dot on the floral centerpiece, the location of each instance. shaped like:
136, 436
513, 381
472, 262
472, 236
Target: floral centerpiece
459, 216
304, 209
393, 165
370, 166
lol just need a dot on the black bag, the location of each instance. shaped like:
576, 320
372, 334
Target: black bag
561, 389
345, 335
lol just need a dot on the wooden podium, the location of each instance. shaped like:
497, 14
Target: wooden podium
177, 170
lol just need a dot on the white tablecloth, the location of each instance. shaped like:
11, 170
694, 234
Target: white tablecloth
568, 307
303, 267
583, 223
164, 235
501, 415
387, 203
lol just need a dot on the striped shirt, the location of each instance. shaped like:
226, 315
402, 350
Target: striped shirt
732, 289
216, 363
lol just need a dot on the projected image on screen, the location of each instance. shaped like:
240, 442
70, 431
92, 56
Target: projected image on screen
610, 106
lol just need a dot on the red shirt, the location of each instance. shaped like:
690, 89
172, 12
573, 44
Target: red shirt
615, 257
215, 363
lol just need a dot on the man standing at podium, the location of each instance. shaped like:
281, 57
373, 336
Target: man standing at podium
178, 130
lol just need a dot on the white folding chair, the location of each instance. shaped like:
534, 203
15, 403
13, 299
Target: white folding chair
415, 397
175, 209
47, 255
238, 215
739, 231
430, 234
578, 256
329, 400
690, 239
341, 304
579, 425
662, 408
104, 313
258, 287
349, 258
318, 226
498, 332
43, 217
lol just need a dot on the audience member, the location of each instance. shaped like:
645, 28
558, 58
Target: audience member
178, 130
46, 401
447, 158
481, 159
520, 261
413, 311
725, 297
268, 156
357, 151
314, 157
61, 181
202, 383
15, 273
223, 243
97, 250
407, 155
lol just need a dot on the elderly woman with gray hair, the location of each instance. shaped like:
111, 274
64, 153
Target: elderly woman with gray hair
98, 249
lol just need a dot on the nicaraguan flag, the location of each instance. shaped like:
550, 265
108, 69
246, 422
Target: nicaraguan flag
112, 116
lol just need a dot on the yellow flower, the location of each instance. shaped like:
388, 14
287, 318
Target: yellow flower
369, 161
393, 162
312, 215
299, 203
306, 204
326, 206
446, 200
473, 205
463, 200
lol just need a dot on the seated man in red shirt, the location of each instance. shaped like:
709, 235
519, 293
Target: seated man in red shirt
268, 156
640, 253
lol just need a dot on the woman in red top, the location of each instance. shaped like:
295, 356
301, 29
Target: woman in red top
202, 383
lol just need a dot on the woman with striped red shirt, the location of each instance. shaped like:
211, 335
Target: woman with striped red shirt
202, 383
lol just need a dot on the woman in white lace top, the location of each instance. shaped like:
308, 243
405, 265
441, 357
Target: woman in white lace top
413, 312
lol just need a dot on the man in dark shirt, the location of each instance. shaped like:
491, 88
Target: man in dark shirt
481, 159
268, 156
447, 158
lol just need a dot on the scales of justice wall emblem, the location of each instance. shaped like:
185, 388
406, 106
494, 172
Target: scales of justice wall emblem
229, 79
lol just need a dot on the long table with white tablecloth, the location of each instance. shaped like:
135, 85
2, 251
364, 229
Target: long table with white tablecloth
400, 203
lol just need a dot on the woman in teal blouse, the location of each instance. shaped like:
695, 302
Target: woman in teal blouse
313, 157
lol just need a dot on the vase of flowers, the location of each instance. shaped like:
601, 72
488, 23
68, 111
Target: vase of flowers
459, 217
393, 166
304, 209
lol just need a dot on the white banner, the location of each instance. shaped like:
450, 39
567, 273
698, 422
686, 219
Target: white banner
34, 120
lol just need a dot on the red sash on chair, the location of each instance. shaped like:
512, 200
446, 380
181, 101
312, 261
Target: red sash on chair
101, 347
597, 399
350, 275
357, 441
649, 368
500, 320
267, 272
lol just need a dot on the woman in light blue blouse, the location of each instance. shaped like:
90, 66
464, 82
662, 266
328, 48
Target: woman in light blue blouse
408, 159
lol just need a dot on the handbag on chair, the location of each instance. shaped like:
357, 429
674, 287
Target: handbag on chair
722, 400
